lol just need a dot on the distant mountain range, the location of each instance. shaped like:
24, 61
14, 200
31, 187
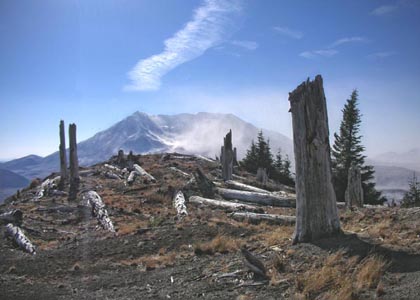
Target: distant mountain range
10, 182
200, 133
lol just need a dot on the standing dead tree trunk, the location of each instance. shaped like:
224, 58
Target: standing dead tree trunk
316, 209
354, 192
74, 164
227, 156
63, 158
20, 238
262, 176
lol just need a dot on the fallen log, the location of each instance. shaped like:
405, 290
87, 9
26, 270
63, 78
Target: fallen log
258, 198
180, 172
228, 205
131, 177
111, 175
244, 187
19, 237
179, 204
13, 216
112, 168
341, 204
99, 210
46, 186
142, 172
269, 218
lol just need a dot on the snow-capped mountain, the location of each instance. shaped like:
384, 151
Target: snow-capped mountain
200, 133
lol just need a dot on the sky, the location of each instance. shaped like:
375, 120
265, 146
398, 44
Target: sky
96, 62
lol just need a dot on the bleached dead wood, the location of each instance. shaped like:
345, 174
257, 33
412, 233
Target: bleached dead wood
99, 210
46, 186
20, 238
354, 192
256, 218
226, 157
74, 164
228, 205
180, 172
87, 173
262, 175
112, 168
142, 172
13, 216
341, 204
316, 210
131, 177
179, 204
63, 157
258, 198
244, 187
111, 175
204, 158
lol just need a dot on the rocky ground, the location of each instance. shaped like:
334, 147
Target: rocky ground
156, 255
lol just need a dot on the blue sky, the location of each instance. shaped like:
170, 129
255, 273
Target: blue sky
95, 62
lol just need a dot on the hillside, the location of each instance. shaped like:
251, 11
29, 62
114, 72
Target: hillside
155, 254
10, 182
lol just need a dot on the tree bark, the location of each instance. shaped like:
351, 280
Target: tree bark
20, 238
354, 192
63, 157
179, 204
258, 198
74, 164
227, 157
257, 218
228, 205
99, 210
316, 210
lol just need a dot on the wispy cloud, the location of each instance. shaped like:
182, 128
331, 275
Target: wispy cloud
249, 45
211, 24
331, 49
319, 53
346, 40
381, 55
291, 33
384, 10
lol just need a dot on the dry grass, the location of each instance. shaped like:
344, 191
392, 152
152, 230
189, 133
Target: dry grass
152, 261
220, 244
341, 277
275, 235
130, 226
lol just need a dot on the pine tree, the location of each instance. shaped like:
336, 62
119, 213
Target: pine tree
250, 162
412, 196
264, 156
347, 150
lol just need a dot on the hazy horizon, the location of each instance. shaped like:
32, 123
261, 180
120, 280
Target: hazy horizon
94, 63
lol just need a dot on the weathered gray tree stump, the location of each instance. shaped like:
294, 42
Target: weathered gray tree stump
63, 157
227, 156
354, 191
74, 164
205, 185
316, 209
262, 176
179, 204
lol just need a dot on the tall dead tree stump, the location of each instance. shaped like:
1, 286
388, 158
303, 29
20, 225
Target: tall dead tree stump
354, 191
316, 208
63, 157
227, 156
74, 164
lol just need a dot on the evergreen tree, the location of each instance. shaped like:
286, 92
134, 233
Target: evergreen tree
250, 162
264, 156
412, 196
347, 150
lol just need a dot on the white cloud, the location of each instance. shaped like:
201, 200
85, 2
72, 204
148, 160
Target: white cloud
346, 40
211, 25
380, 55
319, 53
383, 10
249, 45
292, 33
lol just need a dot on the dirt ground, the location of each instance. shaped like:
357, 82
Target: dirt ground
155, 255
